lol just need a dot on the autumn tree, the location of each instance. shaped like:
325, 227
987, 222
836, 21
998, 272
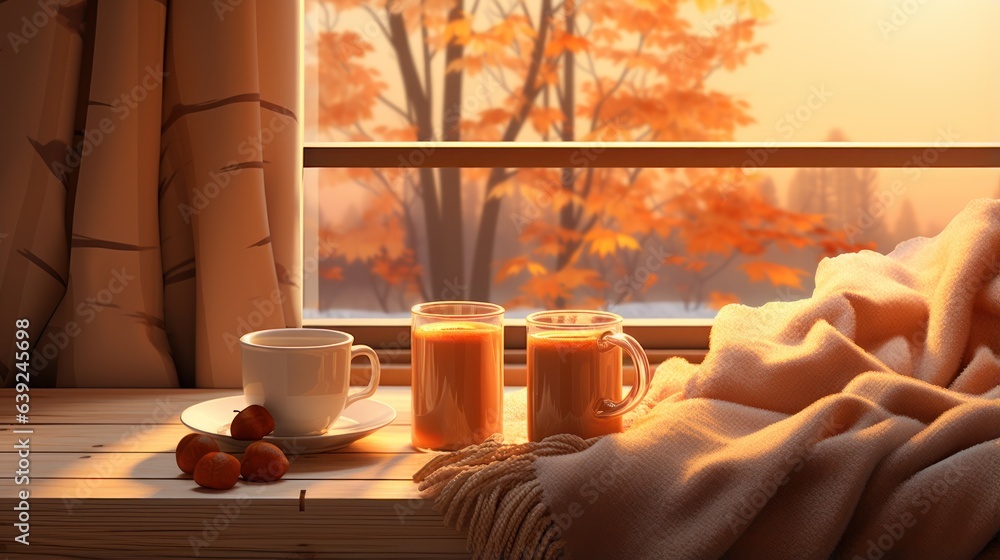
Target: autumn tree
600, 70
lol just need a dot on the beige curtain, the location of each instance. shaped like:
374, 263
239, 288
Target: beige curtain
150, 175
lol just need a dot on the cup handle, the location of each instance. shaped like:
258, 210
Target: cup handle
366, 351
608, 407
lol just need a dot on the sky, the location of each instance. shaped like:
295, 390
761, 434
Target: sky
878, 70
889, 70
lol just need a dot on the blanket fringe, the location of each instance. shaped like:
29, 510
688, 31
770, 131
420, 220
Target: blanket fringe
491, 490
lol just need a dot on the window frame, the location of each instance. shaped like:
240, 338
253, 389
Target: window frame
662, 338
741, 155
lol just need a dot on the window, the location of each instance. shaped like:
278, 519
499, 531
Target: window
658, 159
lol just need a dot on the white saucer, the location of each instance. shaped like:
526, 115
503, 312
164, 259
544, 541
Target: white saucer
357, 421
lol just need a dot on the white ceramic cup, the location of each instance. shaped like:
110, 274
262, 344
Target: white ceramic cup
302, 376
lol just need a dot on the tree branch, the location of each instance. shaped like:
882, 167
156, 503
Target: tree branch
375, 17
428, 86
500, 78
587, 184
396, 108
527, 14
621, 79
530, 90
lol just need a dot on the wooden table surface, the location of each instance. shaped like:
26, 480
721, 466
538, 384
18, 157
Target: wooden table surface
104, 484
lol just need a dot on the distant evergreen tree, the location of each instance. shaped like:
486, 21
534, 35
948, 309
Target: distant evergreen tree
847, 196
907, 225
768, 191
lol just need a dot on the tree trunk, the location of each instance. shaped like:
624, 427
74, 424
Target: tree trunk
482, 259
440, 248
452, 232
567, 218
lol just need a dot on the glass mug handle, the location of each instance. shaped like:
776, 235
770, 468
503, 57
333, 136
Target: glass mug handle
366, 351
608, 407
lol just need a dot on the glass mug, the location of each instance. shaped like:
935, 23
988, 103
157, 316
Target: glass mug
457, 374
575, 373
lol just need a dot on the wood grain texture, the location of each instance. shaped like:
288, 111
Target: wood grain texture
162, 438
164, 406
125, 406
148, 466
104, 484
265, 521
183, 490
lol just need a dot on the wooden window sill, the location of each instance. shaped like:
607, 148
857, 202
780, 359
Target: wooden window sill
104, 484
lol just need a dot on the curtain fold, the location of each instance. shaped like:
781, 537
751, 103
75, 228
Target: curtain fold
177, 229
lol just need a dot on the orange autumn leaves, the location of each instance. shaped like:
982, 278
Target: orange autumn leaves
701, 223
349, 88
586, 236
377, 241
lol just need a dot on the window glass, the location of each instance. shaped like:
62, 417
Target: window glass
745, 70
643, 242
640, 242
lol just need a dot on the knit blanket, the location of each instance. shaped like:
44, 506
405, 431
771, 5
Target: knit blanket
863, 422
